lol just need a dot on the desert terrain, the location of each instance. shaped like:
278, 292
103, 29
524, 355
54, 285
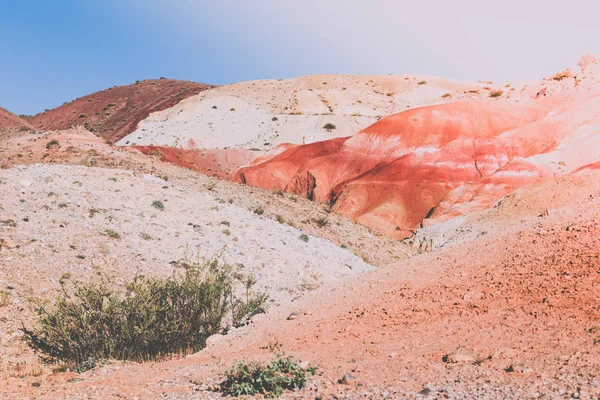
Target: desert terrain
442, 240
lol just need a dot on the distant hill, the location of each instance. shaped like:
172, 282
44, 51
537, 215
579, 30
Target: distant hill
263, 114
115, 112
9, 120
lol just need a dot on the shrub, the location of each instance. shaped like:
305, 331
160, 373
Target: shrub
422, 83
446, 95
156, 317
304, 237
113, 234
53, 144
271, 380
280, 219
562, 75
496, 93
321, 222
158, 205
329, 127
259, 210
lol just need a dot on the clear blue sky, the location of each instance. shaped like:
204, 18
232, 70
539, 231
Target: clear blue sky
55, 51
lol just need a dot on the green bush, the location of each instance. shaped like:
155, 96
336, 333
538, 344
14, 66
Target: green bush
53, 144
271, 380
158, 205
154, 318
329, 127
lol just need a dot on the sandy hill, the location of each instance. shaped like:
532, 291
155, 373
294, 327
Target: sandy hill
429, 164
115, 112
262, 114
507, 308
9, 120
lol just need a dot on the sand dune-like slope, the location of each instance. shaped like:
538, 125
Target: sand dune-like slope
9, 120
429, 164
506, 309
115, 112
263, 114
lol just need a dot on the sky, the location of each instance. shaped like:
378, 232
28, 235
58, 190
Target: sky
55, 51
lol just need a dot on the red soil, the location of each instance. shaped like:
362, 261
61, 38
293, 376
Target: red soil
429, 164
9, 120
220, 163
115, 112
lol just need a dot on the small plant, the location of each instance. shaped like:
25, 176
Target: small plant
446, 95
321, 222
9, 222
4, 298
304, 237
158, 205
280, 219
422, 83
562, 75
496, 93
93, 212
259, 210
63, 205
274, 119
210, 186
53, 144
82, 115
280, 374
329, 127
226, 232
113, 234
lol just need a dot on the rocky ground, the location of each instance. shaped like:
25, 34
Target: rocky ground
511, 313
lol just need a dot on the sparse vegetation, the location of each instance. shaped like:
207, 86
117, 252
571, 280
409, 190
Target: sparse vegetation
4, 298
496, 93
280, 374
329, 127
113, 234
321, 222
155, 318
562, 75
158, 205
53, 144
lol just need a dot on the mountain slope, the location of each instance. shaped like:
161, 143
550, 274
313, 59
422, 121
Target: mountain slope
263, 114
9, 120
116, 112
430, 164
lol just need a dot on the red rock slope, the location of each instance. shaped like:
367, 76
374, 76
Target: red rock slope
430, 164
115, 112
9, 120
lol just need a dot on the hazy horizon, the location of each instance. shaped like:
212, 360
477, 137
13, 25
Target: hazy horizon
54, 53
